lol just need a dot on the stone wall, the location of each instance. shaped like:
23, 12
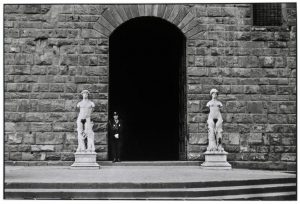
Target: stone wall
52, 52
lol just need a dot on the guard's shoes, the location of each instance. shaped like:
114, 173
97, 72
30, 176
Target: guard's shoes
118, 160
114, 161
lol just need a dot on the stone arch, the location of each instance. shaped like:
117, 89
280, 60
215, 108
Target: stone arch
182, 16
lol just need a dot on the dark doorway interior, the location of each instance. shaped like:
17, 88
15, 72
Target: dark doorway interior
145, 86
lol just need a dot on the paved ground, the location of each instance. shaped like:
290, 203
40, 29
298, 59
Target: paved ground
133, 174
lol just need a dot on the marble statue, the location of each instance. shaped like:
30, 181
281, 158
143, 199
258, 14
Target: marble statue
214, 123
85, 125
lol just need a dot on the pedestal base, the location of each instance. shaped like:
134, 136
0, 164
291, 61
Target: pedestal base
216, 160
85, 160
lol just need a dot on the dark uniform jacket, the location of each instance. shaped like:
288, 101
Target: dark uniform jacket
115, 128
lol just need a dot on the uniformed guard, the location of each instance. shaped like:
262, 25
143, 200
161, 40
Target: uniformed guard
115, 128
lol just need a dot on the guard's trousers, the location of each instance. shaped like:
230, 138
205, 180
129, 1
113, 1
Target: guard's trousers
116, 148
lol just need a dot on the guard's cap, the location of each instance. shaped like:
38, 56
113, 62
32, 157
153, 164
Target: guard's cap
116, 113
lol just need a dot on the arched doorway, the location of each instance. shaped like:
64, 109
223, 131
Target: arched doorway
147, 87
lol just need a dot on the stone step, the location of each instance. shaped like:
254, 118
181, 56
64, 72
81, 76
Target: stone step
206, 193
145, 185
150, 163
292, 195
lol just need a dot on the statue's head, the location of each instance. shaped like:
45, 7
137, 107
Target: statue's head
85, 94
214, 93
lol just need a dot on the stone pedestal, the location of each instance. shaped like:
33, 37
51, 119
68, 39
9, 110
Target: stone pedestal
215, 160
85, 160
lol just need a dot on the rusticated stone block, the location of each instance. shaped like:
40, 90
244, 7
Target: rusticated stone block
252, 89
287, 107
33, 156
100, 117
274, 138
70, 60
235, 106
255, 138
292, 118
286, 90
291, 62
17, 87
277, 118
281, 128
234, 138
277, 44
101, 156
268, 89
267, 61
210, 61
64, 127
34, 117
70, 105
71, 138
193, 106
19, 70
287, 140
42, 148
15, 138
56, 88
196, 71
242, 118
101, 138
52, 156
15, 156
232, 149
278, 149
40, 127
198, 138
24, 59
101, 148
23, 127
49, 138
66, 156
195, 156
229, 11
197, 117
255, 107
193, 127
57, 105
28, 138
263, 149
290, 149
243, 36
101, 105
14, 117
69, 148
262, 36
272, 107
196, 148
274, 157
100, 127
194, 88
258, 156
282, 36
291, 157
248, 61
40, 87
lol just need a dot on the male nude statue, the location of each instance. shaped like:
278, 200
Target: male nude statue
84, 124
214, 123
